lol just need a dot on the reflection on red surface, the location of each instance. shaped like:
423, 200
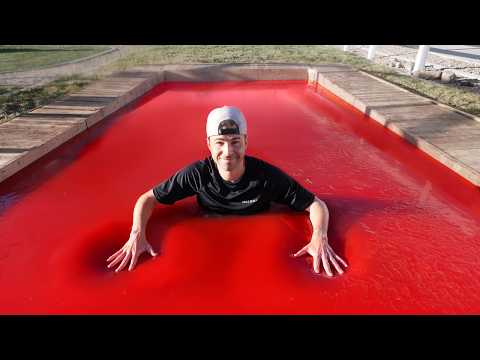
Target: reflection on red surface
408, 227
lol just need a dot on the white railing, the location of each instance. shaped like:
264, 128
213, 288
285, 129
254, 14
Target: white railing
419, 60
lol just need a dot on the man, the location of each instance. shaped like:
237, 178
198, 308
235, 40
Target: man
229, 182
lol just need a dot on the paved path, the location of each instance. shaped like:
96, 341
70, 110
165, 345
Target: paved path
33, 78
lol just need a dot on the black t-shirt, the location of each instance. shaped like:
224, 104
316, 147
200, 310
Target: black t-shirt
261, 184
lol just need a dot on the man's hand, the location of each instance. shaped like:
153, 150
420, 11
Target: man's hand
320, 250
133, 248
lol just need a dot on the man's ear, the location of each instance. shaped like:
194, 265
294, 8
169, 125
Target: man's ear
246, 141
208, 143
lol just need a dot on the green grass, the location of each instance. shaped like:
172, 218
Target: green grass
30, 57
187, 54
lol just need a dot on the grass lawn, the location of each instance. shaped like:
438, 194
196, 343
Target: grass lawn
29, 57
177, 54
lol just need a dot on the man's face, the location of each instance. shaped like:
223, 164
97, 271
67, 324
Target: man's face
228, 151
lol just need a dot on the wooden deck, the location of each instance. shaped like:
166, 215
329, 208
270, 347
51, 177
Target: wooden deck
448, 135
26, 138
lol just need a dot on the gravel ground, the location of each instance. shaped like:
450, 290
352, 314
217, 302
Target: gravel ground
402, 59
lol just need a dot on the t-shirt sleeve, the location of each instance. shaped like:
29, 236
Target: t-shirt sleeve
286, 190
184, 183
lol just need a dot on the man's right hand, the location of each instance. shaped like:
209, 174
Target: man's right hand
133, 248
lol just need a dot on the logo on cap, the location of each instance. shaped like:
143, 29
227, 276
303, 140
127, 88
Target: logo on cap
227, 127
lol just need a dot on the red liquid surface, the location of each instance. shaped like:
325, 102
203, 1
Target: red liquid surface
408, 227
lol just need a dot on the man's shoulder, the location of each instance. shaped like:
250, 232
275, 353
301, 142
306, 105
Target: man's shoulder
255, 161
195, 168
261, 164
199, 164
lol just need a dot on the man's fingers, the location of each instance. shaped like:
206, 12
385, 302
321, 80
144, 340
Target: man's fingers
326, 265
302, 251
124, 262
341, 260
316, 264
133, 262
151, 251
114, 255
335, 264
116, 260
338, 257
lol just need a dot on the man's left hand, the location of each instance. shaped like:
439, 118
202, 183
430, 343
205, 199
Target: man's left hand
321, 251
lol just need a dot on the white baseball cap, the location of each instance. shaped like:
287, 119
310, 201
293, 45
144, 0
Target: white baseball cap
226, 120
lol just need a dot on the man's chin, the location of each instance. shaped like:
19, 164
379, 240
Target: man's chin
228, 165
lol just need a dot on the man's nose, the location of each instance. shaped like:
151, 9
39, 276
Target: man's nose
227, 149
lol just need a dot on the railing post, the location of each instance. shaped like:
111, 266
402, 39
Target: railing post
421, 58
371, 51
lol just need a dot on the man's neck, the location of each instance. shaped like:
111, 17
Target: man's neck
234, 175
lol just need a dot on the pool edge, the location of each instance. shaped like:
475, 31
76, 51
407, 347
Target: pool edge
63, 119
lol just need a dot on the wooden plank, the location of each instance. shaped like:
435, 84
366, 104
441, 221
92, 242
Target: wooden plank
26, 137
471, 157
465, 133
8, 157
436, 126
419, 112
394, 98
397, 106
99, 93
25, 121
40, 149
52, 116
457, 144
90, 100
333, 68
459, 135
67, 111
116, 89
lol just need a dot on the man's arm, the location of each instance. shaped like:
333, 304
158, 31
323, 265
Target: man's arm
182, 184
319, 215
137, 243
143, 210
318, 247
